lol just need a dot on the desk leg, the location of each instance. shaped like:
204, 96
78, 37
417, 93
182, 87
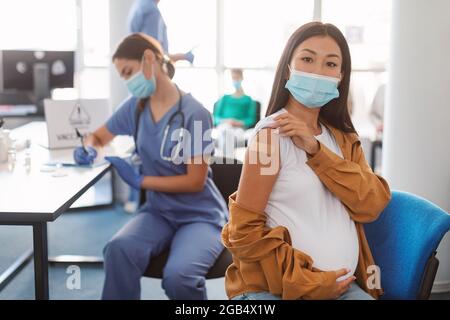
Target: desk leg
40, 260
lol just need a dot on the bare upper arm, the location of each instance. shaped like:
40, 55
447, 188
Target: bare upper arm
260, 170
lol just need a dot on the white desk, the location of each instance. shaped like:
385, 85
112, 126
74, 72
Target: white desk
35, 197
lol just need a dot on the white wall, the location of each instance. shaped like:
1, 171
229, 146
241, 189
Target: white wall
118, 11
416, 150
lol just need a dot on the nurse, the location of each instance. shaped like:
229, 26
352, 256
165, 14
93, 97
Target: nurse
184, 209
145, 17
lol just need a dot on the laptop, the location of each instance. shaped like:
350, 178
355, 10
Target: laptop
63, 117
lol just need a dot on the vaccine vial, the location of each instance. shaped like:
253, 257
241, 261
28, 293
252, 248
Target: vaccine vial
3, 149
11, 159
27, 161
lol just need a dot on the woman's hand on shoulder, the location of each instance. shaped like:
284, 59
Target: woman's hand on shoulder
302, 136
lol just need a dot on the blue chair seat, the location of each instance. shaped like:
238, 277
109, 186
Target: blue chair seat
403, 241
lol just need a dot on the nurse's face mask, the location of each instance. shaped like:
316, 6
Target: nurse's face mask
139, 86
312, 90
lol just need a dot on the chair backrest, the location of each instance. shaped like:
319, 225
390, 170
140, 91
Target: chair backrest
257, 113
226, 174
403, 239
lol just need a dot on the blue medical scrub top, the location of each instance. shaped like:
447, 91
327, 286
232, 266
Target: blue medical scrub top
207, 205
145, 17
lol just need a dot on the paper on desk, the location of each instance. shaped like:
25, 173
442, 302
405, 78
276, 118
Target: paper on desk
98, 162
73, 164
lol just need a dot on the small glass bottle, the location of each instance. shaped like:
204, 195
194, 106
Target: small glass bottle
3, 149
27, 163
11, 159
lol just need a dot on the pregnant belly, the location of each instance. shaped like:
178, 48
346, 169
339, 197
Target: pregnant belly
330, 250
332, 245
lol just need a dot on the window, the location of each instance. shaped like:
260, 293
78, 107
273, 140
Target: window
95, 22
365, 25
251, 34
223, 34
30, 24
227, 34
94, 45
191, 25
256, 31
202, 83
54, 25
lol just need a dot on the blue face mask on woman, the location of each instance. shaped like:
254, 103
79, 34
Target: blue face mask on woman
139, 86
312, 90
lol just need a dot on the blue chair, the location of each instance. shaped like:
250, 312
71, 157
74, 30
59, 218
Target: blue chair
403, 241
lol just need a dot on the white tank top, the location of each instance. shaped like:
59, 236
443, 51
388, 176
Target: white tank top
317, 221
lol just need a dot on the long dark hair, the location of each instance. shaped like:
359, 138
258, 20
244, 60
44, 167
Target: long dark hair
133, 48
334, 112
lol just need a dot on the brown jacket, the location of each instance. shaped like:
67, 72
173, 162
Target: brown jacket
264, 259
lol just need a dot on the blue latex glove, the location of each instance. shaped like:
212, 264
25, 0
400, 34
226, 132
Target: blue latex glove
82, 157
126, 172
189, 56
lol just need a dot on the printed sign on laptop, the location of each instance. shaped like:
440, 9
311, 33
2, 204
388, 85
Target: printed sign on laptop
65, 116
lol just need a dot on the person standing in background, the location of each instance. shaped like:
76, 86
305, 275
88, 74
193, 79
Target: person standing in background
145, 17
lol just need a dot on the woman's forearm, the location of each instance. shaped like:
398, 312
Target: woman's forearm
173, 184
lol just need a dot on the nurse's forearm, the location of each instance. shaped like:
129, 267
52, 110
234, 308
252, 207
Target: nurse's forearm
175, 184
99, 138
93, 141
176, 57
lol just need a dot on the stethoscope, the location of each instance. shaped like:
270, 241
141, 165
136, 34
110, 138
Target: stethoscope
135, 158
